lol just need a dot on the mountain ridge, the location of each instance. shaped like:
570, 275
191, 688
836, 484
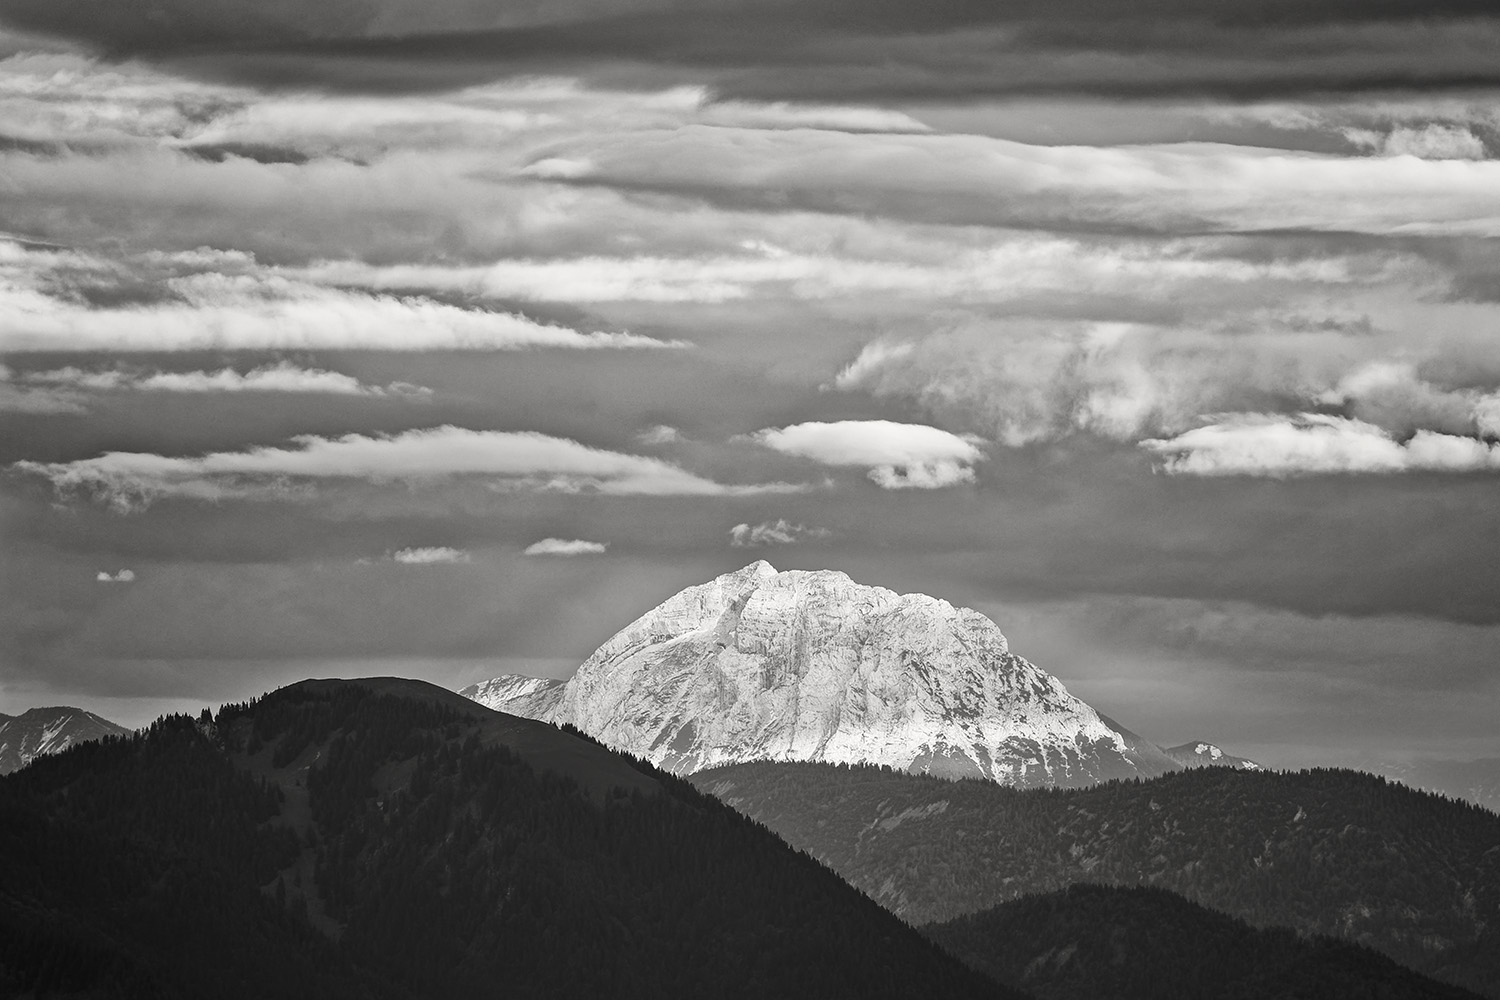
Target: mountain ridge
383, 839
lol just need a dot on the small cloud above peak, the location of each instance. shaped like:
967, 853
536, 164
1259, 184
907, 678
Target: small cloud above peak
429, 556
566, 547
778, 532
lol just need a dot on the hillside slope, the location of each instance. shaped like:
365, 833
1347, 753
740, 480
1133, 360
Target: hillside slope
387, 839
1092, 942
1327, 852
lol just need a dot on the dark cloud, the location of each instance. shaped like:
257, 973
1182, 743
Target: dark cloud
850, 49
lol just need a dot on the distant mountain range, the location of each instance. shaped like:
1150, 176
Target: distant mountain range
1198, 753
40, 731
1338, 853
1478, 781
766, 665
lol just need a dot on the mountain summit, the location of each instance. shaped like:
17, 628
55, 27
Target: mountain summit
41, 731
766, 665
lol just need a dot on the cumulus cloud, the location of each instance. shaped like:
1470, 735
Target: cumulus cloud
429, 555
1434, 141
280, 377
1305, 444
565, 547
123, 576
1027, 380
898, 456
512, 460
778, 532
1392, 395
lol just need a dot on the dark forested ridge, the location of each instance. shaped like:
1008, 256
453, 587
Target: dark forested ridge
1091, 942
377, 841
1340, 853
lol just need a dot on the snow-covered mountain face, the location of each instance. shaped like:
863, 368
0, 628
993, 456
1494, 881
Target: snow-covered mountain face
761, 665
40, 731
1197, 753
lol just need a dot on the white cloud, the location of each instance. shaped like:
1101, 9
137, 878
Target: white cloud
565, 547
982, 180
778, 532
1433, 141
429, 555
252, 311
123, 576
1249, 444
898, 456
514, 460
907, 268
280, 377
658, 435
1392, 395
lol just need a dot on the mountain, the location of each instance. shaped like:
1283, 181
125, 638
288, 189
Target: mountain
1197, 753
1091, 941
1340, 853
1478, 781
40, 731
758, 664
389, 840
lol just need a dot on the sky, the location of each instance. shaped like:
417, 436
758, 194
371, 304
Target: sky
442, 339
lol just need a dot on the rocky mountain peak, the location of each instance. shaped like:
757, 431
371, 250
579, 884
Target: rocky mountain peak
809, 665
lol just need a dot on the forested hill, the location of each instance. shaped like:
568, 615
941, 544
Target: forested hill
331, 840
1091, 942
1411, 874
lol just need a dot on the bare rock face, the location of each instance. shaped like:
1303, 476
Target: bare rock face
761, 665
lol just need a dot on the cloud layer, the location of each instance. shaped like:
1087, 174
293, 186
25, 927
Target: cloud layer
1263, 445
511, 460
283, 376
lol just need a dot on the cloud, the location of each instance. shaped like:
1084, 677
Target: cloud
1434, 141
659, 435
29, 399
252, 310
512, 460
969, 179
123, 576
565, 547
280, 377
1306, 444
778, 532
429, 555
898, 456
1392, 395
823, 48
